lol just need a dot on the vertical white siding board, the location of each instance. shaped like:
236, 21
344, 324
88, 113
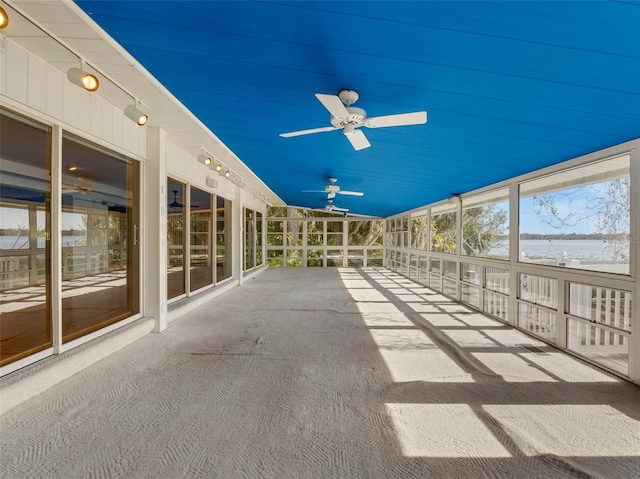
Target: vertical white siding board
84, 109
126, 133
17, 72
117, 127
3, 64
96, 114
107, 121
36, 83
69, 103
143, 141
54, 92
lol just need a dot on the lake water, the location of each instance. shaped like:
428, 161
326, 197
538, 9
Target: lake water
14, 242
584, 250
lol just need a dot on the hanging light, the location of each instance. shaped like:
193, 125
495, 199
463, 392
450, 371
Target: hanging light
4, 18
83, 79
133, 113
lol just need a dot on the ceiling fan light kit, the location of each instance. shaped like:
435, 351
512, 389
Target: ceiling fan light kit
349, 118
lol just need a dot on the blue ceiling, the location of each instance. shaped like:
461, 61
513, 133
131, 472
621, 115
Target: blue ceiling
509, 87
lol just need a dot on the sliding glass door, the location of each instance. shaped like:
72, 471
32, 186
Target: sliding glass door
25, 232
99, 237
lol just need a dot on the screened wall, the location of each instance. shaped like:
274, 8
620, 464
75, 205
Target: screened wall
299, 238
549, 254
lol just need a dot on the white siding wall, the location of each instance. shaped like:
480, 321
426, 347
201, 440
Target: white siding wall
28, 80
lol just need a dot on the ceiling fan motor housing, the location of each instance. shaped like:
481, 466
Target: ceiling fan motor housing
356, 117
348, 97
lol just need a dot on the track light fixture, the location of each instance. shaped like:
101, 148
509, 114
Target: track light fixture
227, 173
133, 113
82, 78
205, 159
217, 166
4, 18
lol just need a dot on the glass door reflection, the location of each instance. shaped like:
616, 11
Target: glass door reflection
99, 256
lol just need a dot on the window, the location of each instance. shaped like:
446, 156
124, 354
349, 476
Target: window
176, 219
315, 232
25, 252
334, 233
578, 218
496, 295
223, 239
275, 233
599, 327
419, 233
365, 233
200, 210
443, 230
470, 284
259, 239
98, 186
538, 301
249, 239
485, 225
294, 233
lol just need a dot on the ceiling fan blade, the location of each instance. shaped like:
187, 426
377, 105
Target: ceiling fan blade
351, 193
358, 140
415, 118
337, 208
334, 104
307, 132
313, 191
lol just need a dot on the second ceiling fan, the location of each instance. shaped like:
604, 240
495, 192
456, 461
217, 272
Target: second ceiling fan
349, 118
332, 189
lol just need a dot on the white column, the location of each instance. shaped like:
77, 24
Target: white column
305, 246
345, 242
237, 220
514, 252
634, 266
153, 232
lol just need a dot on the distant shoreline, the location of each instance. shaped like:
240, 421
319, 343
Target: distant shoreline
572, 236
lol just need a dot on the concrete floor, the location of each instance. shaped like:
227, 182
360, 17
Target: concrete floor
313, 373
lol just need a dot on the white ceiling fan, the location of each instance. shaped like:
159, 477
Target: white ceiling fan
82, 187
331, 207
348, 118
332, 189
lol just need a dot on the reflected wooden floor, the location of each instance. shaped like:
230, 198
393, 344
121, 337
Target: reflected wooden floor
88, 304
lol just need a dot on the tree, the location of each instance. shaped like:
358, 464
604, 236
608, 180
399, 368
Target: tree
604, 206
443, 232
483, 228
365, 233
